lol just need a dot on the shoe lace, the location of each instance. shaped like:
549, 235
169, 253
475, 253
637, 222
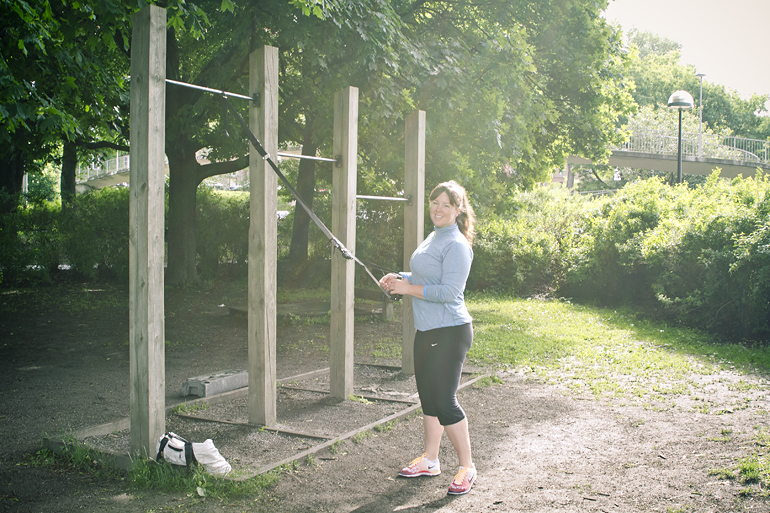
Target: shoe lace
460, 476
416, 461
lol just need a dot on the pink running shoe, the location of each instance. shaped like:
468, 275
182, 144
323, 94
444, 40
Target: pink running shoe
420, 467
463, 481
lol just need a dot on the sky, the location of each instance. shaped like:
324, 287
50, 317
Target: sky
726, 40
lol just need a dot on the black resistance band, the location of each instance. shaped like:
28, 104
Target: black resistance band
266, 156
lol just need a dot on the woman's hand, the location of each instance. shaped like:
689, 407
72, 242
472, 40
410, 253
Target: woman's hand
387, 281
395, 284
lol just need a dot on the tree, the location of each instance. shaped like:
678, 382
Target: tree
648, 43
318, 57
511, 86
538, 80
56, 78
656, 71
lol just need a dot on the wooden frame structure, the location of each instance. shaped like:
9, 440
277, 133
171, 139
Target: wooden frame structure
146, 249
146, 326
414, 188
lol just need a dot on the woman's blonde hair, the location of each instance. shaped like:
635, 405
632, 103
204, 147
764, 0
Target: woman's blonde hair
466, 219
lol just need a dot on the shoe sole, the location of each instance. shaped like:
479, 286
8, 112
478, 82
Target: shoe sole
422, 473
470, 485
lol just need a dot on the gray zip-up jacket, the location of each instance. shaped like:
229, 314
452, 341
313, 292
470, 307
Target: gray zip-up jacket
441, 263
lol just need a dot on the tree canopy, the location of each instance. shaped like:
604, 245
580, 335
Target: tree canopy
656, 71
511, 87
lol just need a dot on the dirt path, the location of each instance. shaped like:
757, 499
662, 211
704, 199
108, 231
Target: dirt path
537, 447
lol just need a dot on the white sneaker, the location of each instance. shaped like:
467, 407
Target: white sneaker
463, 481
420, 467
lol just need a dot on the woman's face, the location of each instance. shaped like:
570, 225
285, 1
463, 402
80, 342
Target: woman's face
442, 212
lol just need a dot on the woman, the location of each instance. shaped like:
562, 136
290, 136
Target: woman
439, 270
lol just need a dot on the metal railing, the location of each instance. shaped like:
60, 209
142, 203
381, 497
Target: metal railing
102, 168
707, 146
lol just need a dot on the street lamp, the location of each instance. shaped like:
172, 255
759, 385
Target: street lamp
700, 116
680, 100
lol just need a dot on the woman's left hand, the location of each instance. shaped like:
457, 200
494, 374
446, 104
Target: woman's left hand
387, 281
399, 286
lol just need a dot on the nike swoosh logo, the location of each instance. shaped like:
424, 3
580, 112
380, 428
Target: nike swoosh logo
431, 467
434, 345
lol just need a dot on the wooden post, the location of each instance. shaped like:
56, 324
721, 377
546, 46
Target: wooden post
263, 238
414, 212
344, 228
146, 210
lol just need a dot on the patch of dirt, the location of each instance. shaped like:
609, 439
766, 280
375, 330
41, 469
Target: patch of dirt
537, 446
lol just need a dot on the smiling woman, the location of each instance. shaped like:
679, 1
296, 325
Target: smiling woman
439, 271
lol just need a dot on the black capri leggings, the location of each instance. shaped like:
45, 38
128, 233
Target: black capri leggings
438, 363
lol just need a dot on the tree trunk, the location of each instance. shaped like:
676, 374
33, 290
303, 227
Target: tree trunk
182, 256
11, 177
69, 166
298, 249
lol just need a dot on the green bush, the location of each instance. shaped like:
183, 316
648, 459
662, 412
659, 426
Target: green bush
699, 256
712, 270
523, 252
29, 245
604, 263
221, 229
94, 233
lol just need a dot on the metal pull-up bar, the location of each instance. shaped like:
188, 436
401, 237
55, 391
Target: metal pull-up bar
308, 157
407, 200
254, 98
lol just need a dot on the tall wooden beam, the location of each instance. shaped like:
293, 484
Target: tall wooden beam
344, 228
263, 238
414, 188
146, 211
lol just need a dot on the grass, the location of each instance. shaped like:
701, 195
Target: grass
361, 436
605, 352
487, 381
754, 469
72, 299
147, 474
387, 349
615, 355
387, 426
185, 408
79, 457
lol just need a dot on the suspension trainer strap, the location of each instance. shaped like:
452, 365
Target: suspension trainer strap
329, 235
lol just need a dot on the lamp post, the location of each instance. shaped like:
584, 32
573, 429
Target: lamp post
700, 116
680, 100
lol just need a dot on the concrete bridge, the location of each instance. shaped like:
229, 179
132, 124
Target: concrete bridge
700, 154
644, 150
104, 173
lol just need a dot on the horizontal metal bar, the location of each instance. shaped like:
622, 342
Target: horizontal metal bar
209, 90
308, 157
385, 198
